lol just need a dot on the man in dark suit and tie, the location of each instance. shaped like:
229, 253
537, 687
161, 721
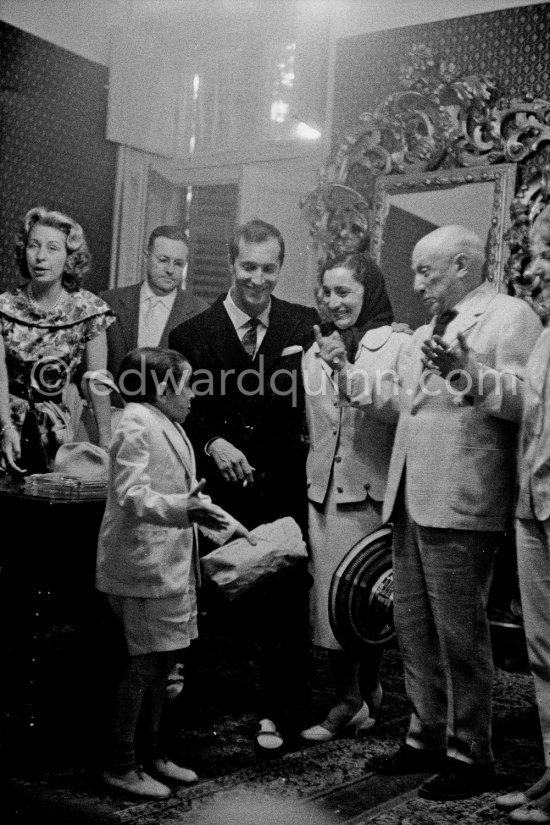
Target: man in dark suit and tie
148, 311
248, 429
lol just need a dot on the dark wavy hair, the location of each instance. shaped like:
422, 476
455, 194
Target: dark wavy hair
255, 231
78, 260
144, 369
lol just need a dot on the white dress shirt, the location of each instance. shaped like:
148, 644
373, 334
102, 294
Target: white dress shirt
241, 320
153, 315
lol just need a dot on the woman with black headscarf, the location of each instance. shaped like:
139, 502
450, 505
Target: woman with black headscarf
351, 366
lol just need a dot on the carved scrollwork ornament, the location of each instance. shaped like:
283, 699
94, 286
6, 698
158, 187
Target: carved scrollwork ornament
440, 119
339, 219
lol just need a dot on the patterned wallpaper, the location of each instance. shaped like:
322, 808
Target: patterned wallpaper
53, 150
513, 45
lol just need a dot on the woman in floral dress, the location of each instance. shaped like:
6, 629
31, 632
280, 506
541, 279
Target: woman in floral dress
47, 327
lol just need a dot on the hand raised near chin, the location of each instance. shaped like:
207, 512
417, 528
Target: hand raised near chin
331, 348
440, 356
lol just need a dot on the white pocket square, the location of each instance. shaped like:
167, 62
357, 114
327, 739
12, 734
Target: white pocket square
292, 350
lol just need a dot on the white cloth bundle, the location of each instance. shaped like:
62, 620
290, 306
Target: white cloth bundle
238, 565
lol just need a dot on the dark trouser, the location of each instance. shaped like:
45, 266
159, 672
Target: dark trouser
139, 699
274, 615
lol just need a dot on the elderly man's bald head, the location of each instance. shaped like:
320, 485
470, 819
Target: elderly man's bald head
454, 240
448, 263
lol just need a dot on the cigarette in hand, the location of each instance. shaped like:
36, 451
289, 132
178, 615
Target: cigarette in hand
197, 487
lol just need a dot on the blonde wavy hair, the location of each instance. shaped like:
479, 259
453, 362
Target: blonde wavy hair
78, 260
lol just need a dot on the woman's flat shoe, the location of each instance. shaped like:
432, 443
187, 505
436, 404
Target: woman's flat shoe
360, 723
511, 801
269, 742
529, 813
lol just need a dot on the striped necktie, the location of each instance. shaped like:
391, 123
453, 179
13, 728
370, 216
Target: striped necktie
250, 338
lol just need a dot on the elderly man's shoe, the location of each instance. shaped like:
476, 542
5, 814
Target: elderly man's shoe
459, 780
408, 760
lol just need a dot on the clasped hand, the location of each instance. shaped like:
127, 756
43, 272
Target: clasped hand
440, 356
331, 348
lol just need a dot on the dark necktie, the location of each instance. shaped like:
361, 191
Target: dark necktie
250, 337
443, 321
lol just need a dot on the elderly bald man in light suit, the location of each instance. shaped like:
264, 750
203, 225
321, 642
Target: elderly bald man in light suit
450, 493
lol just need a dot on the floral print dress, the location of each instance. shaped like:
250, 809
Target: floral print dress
43, 350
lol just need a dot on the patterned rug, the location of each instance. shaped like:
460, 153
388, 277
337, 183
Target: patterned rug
318, 785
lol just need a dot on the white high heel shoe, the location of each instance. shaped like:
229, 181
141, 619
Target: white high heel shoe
359, 723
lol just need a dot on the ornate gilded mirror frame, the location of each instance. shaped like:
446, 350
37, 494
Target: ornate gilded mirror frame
440, 126
492, 185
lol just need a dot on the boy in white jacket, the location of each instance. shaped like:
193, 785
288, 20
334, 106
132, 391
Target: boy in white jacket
147, 561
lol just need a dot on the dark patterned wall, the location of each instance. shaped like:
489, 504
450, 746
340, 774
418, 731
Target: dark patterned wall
513, 45
53, 150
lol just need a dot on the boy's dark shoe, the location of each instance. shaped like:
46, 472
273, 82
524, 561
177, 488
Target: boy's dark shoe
459, 780
408, 760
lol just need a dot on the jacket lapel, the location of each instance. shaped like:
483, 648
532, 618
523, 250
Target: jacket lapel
224, 339
182, 448
324, 366
470, 317
417, 367
177, 315
128, 313
177, 440
279, 332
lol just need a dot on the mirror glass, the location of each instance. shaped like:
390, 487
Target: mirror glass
407, 207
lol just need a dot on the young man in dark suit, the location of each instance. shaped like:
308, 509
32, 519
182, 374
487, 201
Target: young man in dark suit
248, 429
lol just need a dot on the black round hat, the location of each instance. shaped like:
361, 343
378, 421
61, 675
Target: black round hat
361, 593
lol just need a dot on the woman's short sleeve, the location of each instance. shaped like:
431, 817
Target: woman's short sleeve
99, 315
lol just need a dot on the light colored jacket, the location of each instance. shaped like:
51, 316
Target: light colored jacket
343, 440
460, 452
534, 452
146, 542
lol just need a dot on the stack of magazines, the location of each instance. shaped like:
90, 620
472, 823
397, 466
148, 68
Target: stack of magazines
57, 485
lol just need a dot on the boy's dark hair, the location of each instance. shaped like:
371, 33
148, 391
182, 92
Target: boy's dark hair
144, 369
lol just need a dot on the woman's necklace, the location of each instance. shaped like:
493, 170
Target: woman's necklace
33, 301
